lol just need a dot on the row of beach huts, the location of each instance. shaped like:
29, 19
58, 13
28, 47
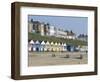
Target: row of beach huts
43, 46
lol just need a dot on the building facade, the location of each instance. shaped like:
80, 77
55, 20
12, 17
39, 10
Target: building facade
83, 37
45, 29
60, 33
71, 35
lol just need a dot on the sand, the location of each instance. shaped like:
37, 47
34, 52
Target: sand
56, 58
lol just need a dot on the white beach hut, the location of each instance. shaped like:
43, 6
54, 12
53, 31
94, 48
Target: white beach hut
47, 46
52, 46
62, 46
43, 46
30, 45
59, 46
56, 43
65, 47
56, 46
31, 42
47, 43
52, 43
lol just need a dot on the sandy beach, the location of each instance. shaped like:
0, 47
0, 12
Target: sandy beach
56, 58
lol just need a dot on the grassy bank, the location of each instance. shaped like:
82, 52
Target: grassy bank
55, 39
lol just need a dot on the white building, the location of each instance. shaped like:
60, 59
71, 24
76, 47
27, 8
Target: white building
82, 37
71, 35
30, 26
41, 27
60, 33
52, 31
49, 30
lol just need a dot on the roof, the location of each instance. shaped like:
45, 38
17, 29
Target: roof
47, 43
56, 43
31, 42
82, 36
52, 43
69, 33
37, 42
43, 42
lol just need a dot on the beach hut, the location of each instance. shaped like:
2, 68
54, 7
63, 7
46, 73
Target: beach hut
42, 46
33, 45
70, 48
52, 43
64, 47
47, 46
30, 45
38, 45
56, 43
55, 46
59, 46
52, 46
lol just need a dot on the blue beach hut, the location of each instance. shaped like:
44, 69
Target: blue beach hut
70, 48
37, 45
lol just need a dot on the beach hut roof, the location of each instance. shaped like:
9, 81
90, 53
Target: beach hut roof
47, 43
59, 44
43, 42
52, 43
31, 42
56, 43
64, 44
37, 42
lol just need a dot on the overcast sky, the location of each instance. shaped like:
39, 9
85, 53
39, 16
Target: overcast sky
77, 24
